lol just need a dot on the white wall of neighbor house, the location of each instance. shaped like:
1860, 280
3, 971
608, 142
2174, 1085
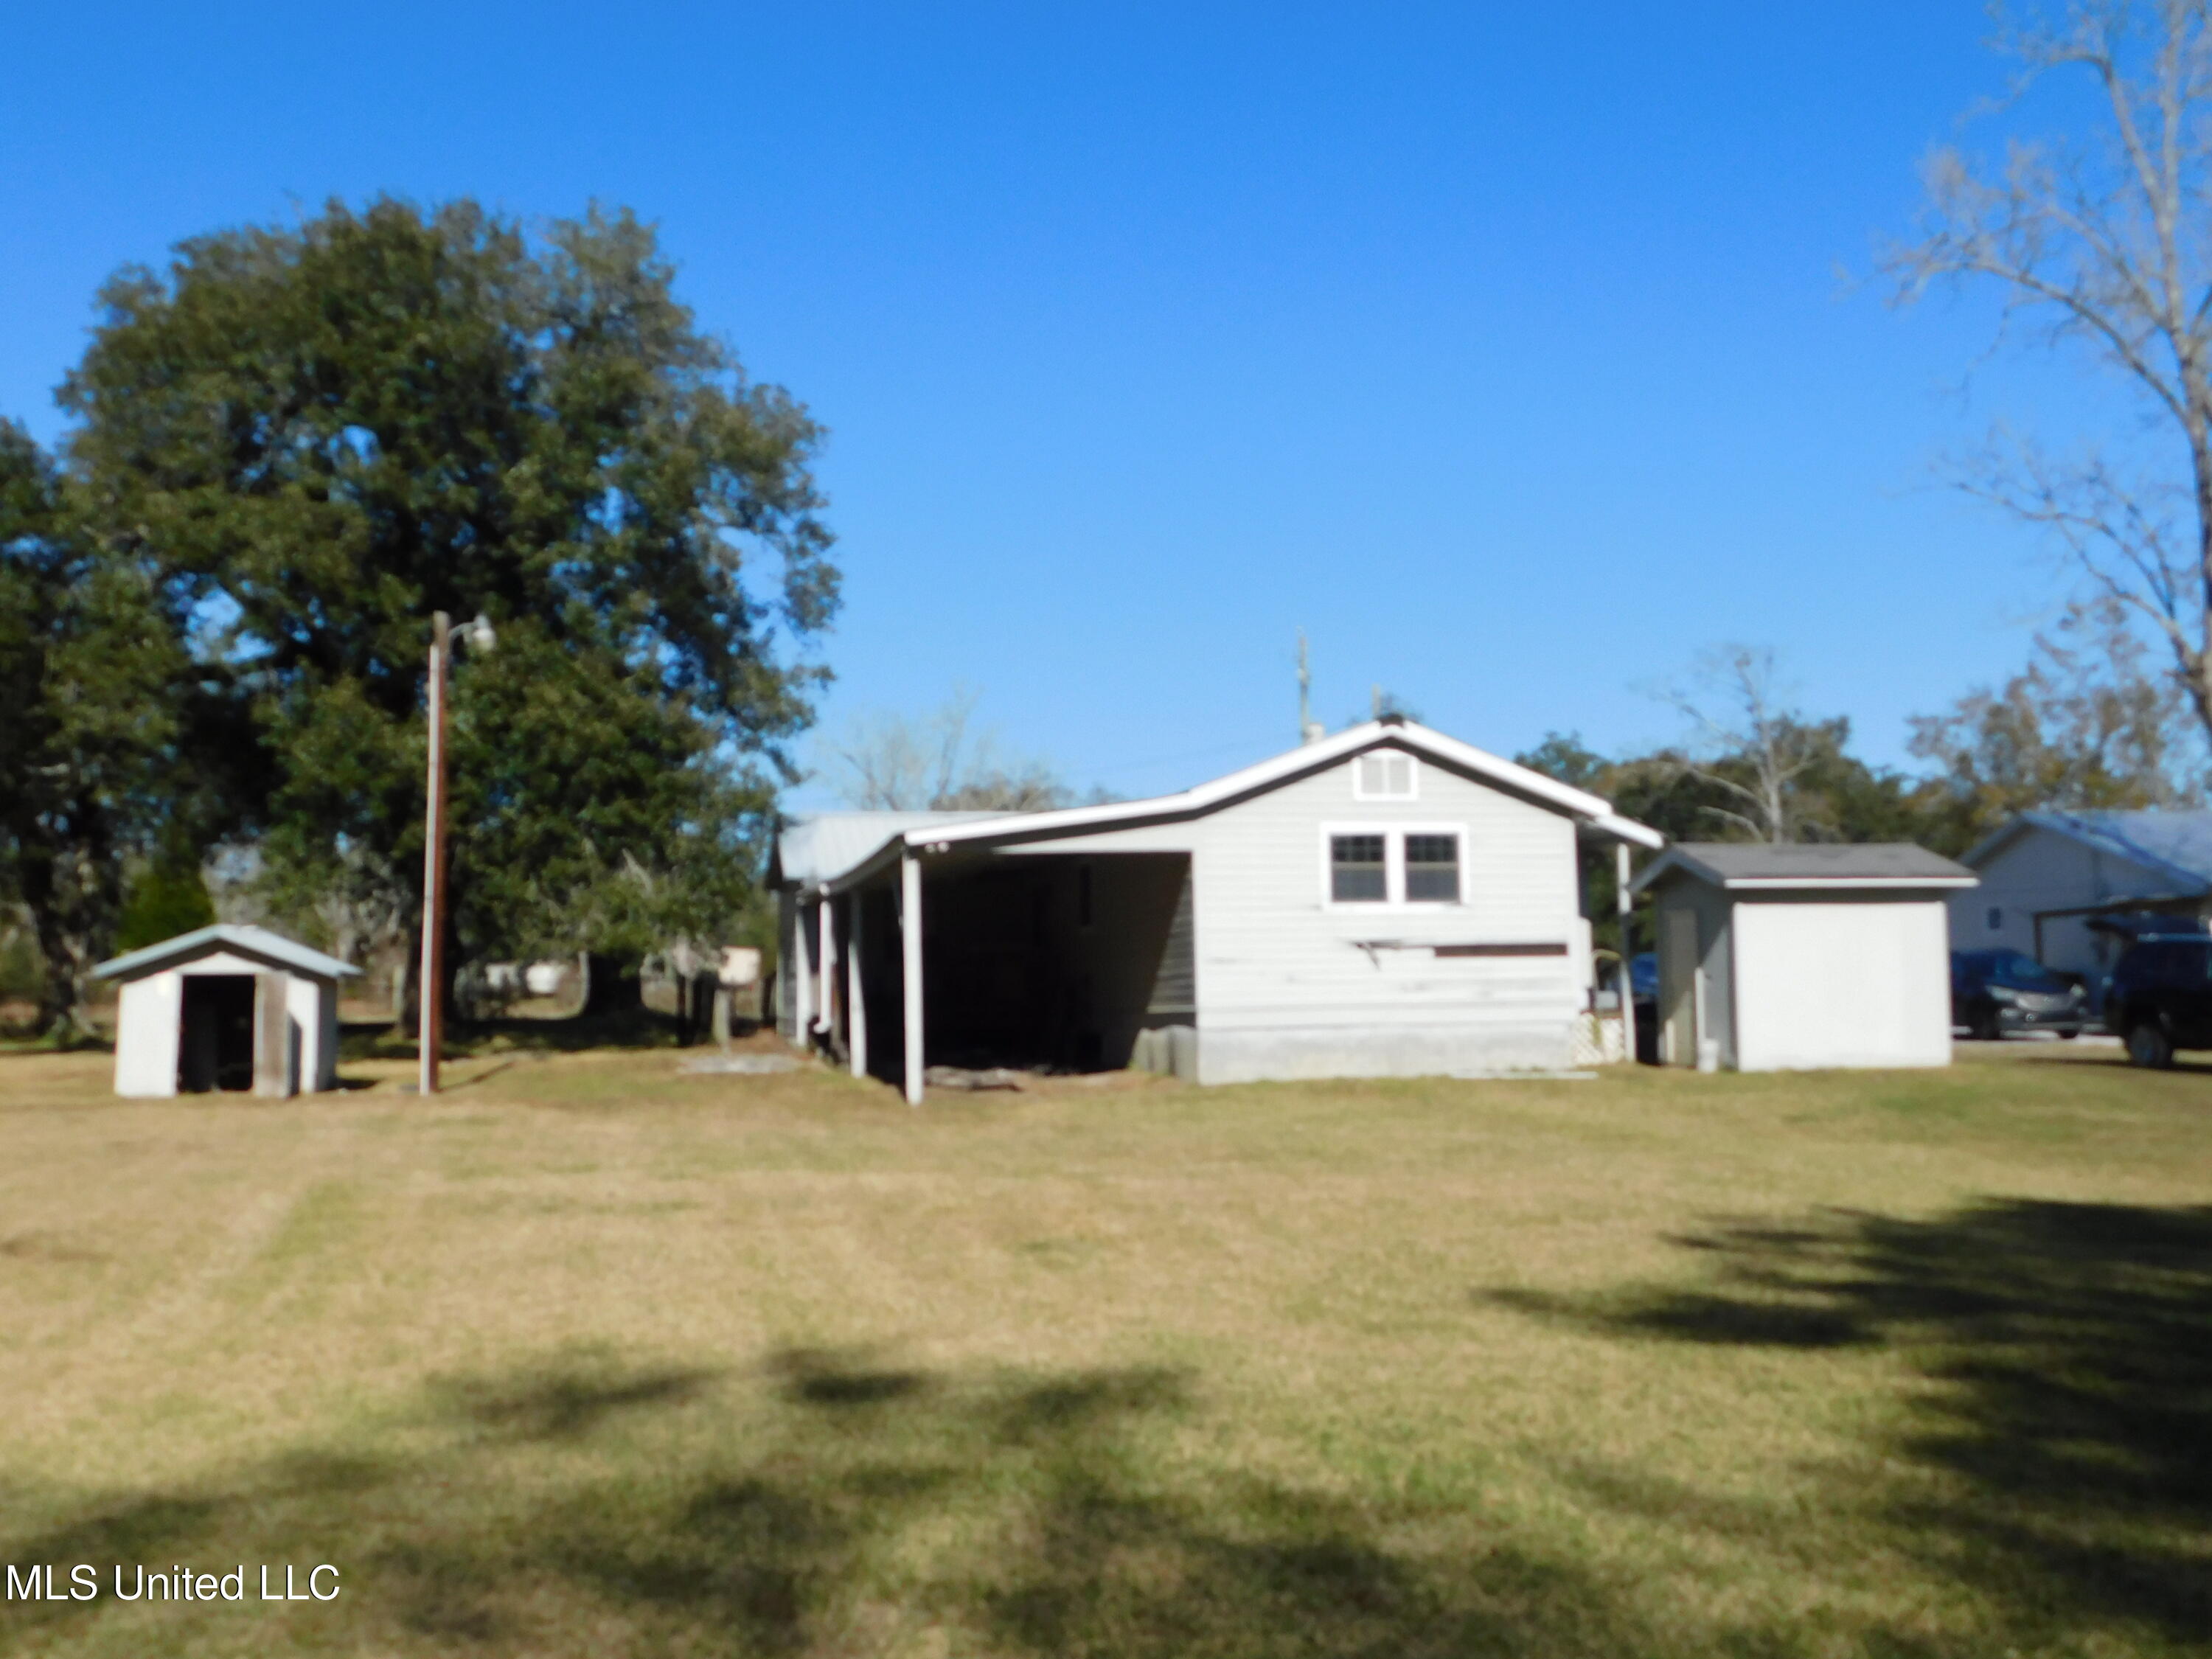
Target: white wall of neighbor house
2039, 869
1293, 984
1841, 983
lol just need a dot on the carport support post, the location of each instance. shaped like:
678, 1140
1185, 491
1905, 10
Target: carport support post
1625, 902
856, 1001
911, 958
825, 916
802, 980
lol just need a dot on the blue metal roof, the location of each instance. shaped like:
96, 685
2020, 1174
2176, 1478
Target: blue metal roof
2175, 845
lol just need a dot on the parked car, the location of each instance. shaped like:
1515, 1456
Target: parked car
1994, 991
2161, 998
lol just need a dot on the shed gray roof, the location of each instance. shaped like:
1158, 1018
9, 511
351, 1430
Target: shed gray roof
1754, 866
819, 846
2176, 847
243, 938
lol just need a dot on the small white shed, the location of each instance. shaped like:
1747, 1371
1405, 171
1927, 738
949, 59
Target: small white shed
226, 1007
1783, 958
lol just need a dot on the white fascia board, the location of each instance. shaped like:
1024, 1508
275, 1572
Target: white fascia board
258, 943
1675, 859
1628, 829
1593, 809
1792, 883
1290, 763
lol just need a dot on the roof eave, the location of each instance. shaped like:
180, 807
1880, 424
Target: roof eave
1772, 884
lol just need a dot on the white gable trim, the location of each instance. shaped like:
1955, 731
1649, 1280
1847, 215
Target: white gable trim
258, 943
1592, 810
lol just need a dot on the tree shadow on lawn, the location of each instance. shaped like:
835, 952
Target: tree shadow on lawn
825, 1503
2069, 1428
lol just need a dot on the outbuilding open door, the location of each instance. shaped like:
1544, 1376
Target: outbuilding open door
272, 1035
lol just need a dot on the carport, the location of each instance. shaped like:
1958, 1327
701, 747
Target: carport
1034, 959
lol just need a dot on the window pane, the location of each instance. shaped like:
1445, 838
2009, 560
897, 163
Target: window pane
1433, 869
1355, 873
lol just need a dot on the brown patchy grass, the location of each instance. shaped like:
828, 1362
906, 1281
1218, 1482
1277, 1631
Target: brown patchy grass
591, 1356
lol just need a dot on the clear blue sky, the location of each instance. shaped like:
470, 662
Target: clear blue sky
1504, 348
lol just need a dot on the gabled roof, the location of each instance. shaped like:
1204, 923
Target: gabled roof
2174, 846
1744, 866
246, 939
818, 846
1003, 828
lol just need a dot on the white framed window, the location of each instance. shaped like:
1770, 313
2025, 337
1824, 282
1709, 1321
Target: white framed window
1393, 867
1385, 775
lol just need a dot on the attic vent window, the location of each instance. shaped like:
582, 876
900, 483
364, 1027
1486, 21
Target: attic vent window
1384, 774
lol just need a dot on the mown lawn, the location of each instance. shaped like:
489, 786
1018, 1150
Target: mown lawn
591, 1358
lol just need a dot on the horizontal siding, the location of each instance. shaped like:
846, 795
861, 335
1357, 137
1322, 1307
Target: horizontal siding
1272, 955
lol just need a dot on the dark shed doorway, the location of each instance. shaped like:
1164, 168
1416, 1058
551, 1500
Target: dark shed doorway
215, 1047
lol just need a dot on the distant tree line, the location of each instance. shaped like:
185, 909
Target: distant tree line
2088, 724
290, 446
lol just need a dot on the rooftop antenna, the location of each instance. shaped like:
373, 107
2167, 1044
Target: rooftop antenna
1378, 703
1309, 730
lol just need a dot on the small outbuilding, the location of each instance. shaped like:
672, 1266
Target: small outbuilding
228, 1006
1782, 959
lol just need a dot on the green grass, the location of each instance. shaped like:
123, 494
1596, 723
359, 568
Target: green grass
591, 1356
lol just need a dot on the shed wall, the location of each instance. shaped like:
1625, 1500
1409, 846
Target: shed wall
1841, 983
147, 1012
1697, 995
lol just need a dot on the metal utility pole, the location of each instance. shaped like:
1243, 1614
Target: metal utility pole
431, 994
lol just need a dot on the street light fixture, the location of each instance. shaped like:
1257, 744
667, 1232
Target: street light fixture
479, 635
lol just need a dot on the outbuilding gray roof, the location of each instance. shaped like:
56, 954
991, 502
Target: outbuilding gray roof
1752, 865
246, 939
821, 845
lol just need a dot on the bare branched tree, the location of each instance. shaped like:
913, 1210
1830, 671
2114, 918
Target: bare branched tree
1744, 744
891, 761
2084, 725
2104, 242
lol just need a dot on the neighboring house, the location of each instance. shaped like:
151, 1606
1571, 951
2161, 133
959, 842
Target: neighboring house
1388, 901
229, 1006
1783, 958
2048, 877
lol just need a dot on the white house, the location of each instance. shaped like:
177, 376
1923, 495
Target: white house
1386, 902
1779, 958
2048, 878
226, 1007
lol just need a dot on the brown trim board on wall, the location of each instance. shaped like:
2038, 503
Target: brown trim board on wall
1553, 950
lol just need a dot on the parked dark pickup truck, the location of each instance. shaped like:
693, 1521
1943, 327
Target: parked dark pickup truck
2161, 998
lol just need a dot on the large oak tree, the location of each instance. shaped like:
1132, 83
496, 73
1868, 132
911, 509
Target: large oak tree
319, 433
